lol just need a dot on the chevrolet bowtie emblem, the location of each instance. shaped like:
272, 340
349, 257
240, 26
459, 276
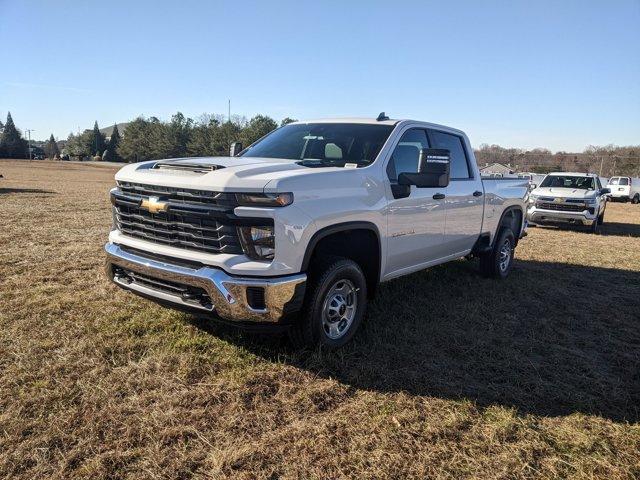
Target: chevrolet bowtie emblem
154, 205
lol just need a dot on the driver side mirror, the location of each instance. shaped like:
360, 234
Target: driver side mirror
605, 191
236, 148
433, 170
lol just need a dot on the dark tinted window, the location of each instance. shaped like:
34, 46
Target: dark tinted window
569, 181
324, 144
453, 143
406, 155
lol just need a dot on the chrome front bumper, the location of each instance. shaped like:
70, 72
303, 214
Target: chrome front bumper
228, 294
539, 216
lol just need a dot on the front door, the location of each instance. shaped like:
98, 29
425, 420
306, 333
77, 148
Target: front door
415, 224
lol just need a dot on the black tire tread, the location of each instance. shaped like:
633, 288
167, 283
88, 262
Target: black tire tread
301, 333
488, 265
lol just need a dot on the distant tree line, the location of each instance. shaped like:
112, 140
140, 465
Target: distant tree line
606, 161
212, 135
151, 138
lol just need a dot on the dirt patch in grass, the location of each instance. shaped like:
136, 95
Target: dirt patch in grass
451, 376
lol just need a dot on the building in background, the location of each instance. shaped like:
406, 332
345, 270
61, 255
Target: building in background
496, 170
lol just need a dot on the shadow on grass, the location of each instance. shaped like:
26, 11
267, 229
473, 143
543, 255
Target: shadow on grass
25, 190
553, 339
621, 229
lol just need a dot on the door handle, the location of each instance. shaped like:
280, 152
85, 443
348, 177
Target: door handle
477, 193
438, 196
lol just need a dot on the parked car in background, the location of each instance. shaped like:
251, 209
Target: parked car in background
624, 189
297, 230
565, 198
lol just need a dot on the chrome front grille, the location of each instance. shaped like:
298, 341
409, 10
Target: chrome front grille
179, 195
192, 219
561, 207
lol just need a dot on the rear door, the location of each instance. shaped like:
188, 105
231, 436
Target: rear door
464, 196
415, 224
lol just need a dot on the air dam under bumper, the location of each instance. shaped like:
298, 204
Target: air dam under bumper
207, 289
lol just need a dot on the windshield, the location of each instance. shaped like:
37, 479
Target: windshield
619, 181
561, 181
323, 144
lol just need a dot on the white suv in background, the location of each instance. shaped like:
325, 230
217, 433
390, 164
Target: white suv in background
568, 199
624, 189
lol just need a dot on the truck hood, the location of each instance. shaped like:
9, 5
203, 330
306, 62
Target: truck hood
230, 174
564, 192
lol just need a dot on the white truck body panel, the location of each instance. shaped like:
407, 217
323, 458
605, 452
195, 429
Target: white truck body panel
414, 232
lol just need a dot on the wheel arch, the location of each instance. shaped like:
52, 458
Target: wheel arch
512, 217
359, 241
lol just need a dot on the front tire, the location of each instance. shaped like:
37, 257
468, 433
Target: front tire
498, 262
595, 226
334, 305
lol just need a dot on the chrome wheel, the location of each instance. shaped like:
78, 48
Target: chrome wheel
504, 256
339, 308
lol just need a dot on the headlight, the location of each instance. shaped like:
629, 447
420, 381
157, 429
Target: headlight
264, 199
590, 201
258, 243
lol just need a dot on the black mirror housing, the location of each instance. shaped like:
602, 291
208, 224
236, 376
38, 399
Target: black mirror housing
604, 191
236, 148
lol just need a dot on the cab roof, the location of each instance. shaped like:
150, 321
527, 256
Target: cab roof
374, 121
573, 174
369, 121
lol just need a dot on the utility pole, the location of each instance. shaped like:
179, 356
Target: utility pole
29, 135
229, 117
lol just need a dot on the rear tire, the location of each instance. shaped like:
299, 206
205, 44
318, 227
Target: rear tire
334, 304
636, 199
498, 262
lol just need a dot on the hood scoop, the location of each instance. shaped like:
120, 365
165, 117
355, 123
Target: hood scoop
183, 166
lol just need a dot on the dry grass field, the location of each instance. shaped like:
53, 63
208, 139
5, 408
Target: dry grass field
452, 375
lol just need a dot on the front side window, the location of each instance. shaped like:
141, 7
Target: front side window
569, 181
459, 165
324, 144
406, 156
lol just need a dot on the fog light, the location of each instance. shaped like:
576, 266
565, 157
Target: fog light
258, 243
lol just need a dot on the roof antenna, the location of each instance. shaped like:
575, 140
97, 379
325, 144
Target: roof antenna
382, 117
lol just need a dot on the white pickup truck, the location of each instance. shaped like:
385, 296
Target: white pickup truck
568, 198
297, 230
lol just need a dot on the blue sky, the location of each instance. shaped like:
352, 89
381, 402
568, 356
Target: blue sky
556, 74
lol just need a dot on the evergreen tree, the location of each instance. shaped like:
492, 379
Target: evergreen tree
257, 128
12, 145
114, 141
111, 152
286, 121
137, 144
51, 148
98, 141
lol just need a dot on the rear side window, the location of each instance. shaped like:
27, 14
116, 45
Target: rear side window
453, 143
